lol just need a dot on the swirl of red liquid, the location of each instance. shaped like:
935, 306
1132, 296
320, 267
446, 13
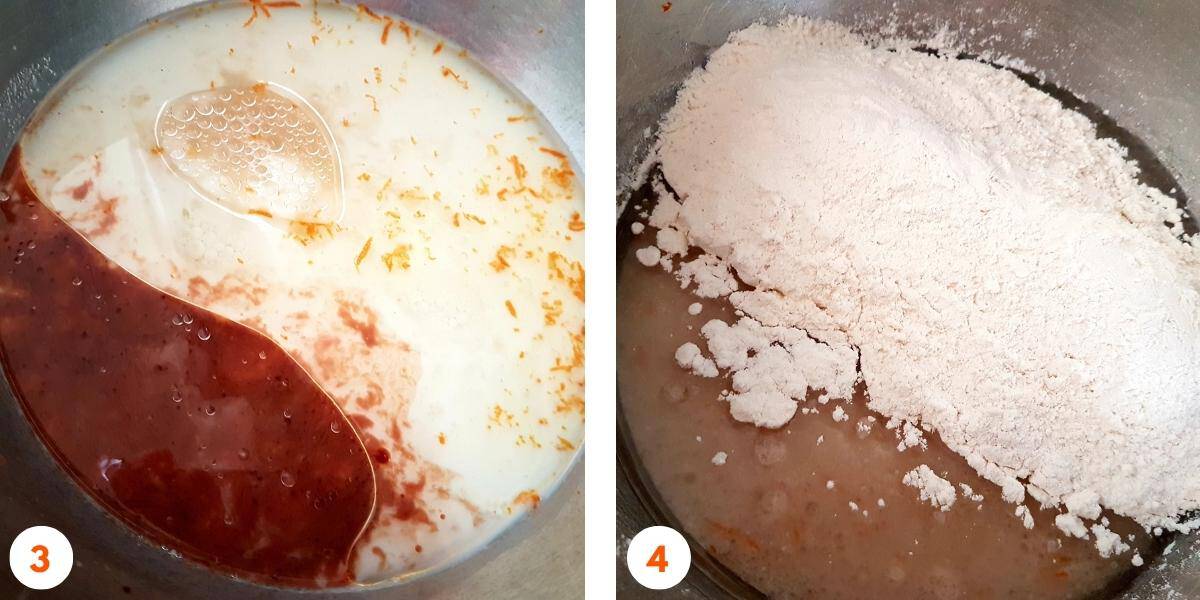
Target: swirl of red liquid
200, 433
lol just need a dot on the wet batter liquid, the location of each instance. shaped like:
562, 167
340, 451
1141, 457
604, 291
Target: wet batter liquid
779, 523
334, 178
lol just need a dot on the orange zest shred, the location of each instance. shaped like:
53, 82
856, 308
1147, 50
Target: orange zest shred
307, 231
362, 254
383, 190
576, 362
576, 223
564, 445
398, 258
567, 271
553, 311
501, 263
519, 172
518, 169
563, 174
502, 418
734, 535
528, 497
519, 118
458, 218
364, 9
511, 309
570, 404
448, 72
262, 212
438, 48
560, 176
265, 7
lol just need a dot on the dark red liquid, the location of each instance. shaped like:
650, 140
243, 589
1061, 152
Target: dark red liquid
197, 431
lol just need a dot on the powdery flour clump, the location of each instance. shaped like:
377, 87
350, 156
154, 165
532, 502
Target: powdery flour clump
933, 489
958, 240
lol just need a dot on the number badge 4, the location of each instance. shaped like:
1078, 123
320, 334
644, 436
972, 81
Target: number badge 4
658, 557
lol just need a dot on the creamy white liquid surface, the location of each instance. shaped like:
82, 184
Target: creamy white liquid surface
440, 296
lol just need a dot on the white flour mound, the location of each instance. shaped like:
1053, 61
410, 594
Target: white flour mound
999, 272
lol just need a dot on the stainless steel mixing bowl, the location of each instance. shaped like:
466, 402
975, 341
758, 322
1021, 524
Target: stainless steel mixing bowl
1137, 60
537, 46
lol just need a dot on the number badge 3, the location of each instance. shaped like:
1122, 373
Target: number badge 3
41, 557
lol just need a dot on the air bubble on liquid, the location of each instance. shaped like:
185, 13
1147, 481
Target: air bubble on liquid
774, 502
176, 395
203, 334
674, 393
335, 427
177, 320
769, 450
77, 282
243, 454
262, 355
287, 479
287, 414
210, 410
247, 151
